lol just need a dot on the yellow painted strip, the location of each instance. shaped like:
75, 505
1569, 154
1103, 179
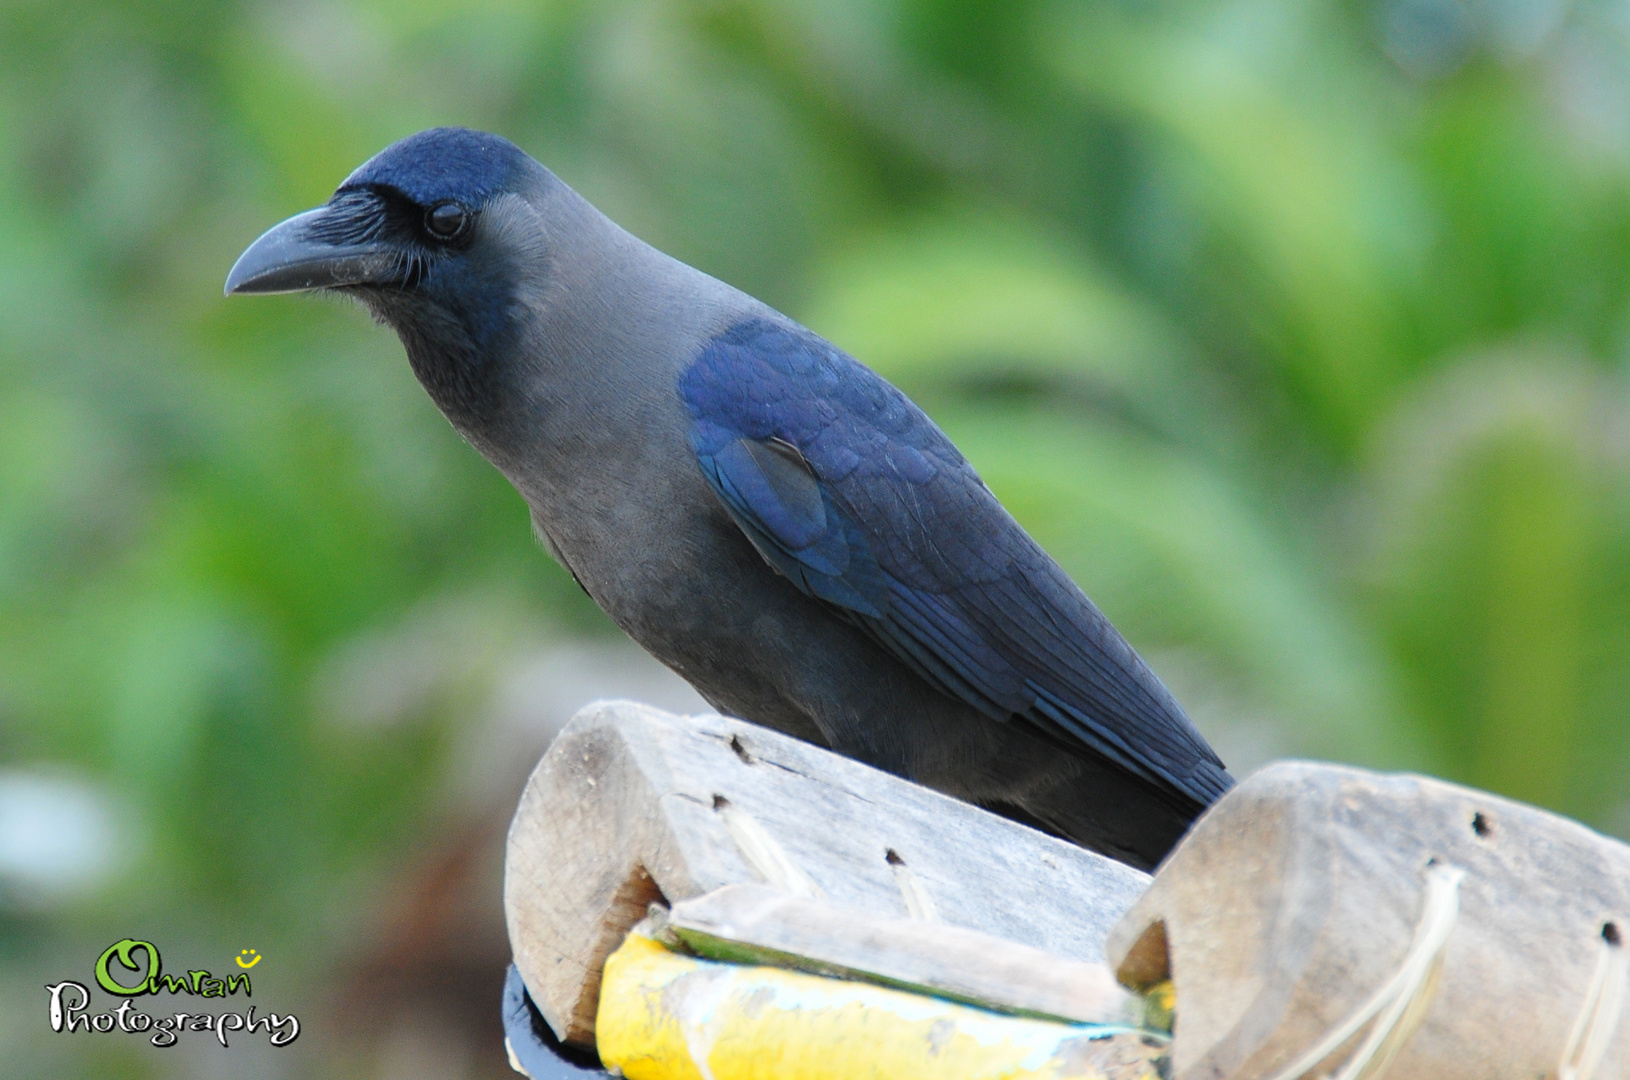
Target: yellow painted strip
665, 1016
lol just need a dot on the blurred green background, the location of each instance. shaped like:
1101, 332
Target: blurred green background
1298, 330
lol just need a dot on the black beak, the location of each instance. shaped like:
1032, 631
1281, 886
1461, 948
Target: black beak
294, 257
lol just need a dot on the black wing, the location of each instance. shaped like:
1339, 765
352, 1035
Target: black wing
854, 494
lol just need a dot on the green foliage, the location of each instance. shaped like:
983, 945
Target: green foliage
1295, 330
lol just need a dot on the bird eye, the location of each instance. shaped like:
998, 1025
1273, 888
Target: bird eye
446, 220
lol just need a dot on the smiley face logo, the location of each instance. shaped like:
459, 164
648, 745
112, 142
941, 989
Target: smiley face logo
248, 958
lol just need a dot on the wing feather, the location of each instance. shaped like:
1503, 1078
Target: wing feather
848, 489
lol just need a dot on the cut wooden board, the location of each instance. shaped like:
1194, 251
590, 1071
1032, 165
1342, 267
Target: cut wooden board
1300, 894
753, 924
633, 805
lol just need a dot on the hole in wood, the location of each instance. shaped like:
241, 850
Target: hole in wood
892, 857
1148, 961
741, 751
1482, 826
1610, 934
628, 905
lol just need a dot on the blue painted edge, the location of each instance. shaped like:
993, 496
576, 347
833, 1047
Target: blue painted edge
540, 1053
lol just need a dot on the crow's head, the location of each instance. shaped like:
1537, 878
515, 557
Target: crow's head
437, 235
407, 215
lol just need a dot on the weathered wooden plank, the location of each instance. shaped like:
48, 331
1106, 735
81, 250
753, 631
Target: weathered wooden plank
755, 924
632, 805
1306, 892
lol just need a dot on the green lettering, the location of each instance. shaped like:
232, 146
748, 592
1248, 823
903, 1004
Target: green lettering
175, 984
214, 988
232, 982
196, 976
122, 950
